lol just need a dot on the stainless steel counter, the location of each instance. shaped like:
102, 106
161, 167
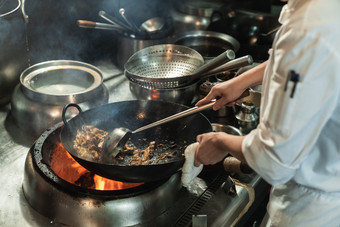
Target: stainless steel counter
15, 210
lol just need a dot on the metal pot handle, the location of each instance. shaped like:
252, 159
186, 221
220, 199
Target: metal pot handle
23, 11
65, 109
12, 11
21, 4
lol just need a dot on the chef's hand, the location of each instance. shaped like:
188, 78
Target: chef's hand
226, 94
214, 146
210, 149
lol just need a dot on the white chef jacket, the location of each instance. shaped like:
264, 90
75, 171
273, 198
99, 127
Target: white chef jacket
296, 146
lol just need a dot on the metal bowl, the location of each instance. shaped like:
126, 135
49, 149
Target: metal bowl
45, 88
209, 44
193, 14
254, 30
61, 81
183, 95
255, 91
162, 66
226, 128
127, 46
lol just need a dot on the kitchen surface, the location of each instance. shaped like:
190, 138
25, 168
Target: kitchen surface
14, 151
16, 210
33, 194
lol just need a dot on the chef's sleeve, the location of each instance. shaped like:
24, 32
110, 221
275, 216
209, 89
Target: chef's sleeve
290, 126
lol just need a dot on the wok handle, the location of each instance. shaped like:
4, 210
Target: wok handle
184, 113
65, 109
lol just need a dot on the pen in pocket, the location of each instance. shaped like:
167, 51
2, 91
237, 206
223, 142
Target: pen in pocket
292, 77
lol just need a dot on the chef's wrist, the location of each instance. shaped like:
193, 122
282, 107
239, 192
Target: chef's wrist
233, 144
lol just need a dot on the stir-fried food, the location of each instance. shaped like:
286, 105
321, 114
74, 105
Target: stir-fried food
89, 143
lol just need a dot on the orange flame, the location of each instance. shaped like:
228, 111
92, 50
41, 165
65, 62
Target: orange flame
63, 164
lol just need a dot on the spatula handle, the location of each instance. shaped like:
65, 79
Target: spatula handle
184, 113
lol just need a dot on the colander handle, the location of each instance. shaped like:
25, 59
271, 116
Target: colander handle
233, 64
223, 58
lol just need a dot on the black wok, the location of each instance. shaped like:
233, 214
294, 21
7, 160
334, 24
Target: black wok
255, 31
132, 115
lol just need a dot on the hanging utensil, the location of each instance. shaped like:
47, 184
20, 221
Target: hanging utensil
130, 24
152, 25
98, 25
113, 20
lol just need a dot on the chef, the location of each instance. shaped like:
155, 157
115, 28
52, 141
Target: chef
296, 145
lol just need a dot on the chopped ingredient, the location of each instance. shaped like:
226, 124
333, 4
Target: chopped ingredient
90, 140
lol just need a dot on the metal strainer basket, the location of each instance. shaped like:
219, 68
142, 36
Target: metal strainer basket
162, 66
174, 66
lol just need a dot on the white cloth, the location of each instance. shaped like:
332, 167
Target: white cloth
298, 139
189, 170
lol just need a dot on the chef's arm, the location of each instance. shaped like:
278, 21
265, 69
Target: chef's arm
234, 146
293, 117
214, 146
229, 91
251, 77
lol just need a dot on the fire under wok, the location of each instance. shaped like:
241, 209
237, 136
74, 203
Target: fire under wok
173, 137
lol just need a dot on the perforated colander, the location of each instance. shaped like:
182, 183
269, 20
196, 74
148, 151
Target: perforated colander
169, 66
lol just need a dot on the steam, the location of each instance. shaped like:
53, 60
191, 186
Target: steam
52, 32
11, 25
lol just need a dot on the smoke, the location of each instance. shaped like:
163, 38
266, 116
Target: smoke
52, 31
13, 54
12, 25
138, 11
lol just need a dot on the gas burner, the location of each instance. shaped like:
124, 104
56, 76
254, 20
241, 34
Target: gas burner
79, 202
76, 199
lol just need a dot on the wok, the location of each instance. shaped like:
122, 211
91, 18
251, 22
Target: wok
254, 30
134, 114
